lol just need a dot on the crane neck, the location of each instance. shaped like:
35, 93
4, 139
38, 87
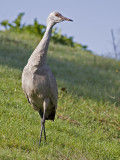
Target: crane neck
38, 56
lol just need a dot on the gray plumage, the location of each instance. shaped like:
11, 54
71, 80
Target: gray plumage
38, 82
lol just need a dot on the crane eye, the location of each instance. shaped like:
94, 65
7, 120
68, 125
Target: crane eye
58, 15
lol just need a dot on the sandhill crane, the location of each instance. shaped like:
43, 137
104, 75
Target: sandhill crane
38, 82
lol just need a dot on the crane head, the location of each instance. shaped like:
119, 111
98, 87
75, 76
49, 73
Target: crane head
56, 17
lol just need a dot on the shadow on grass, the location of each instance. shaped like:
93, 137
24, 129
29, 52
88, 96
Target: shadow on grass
78, 78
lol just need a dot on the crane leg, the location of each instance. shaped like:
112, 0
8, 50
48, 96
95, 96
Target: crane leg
42, 127
44, 133
45, 104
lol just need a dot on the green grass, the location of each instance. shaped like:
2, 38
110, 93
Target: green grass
87, 123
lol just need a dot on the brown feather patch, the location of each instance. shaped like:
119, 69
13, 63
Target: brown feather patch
58, 14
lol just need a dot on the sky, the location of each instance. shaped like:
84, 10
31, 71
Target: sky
93, 19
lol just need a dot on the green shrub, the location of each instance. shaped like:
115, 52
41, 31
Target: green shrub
39, 29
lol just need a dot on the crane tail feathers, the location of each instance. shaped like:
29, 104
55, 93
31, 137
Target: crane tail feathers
50, 117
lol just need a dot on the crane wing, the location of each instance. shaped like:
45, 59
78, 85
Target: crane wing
53, 88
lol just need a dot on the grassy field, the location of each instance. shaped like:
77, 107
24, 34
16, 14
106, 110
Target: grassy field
87, 123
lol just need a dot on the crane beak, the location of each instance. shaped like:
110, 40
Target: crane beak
62, 17
66, 19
